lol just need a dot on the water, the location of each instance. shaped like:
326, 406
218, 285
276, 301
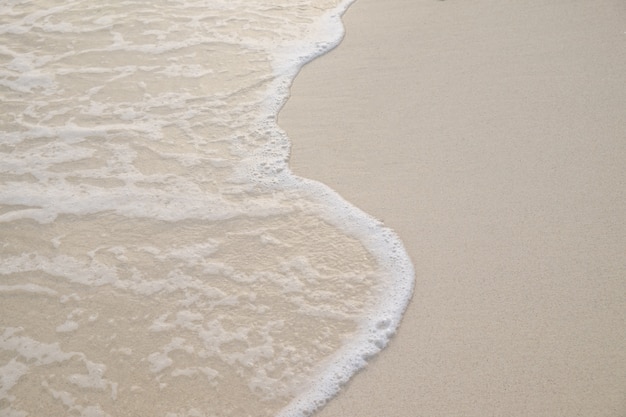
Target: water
157, 257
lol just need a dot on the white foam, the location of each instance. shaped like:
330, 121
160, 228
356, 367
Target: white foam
143, 142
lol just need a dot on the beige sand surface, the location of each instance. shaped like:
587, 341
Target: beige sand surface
491, 136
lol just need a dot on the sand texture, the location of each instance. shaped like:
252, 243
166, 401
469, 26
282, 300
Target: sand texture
491, 136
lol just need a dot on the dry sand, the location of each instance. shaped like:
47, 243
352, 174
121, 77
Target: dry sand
491, 136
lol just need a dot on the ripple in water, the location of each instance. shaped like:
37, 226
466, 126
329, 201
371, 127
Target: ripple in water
157, 256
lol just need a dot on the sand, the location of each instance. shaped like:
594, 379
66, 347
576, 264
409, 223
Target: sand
491, 136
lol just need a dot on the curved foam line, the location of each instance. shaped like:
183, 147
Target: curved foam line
376, 330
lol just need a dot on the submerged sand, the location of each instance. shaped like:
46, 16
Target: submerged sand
490, 136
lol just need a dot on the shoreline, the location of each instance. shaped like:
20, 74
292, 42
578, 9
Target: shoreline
489, 138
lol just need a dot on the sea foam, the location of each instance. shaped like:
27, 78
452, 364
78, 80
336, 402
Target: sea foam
158, 257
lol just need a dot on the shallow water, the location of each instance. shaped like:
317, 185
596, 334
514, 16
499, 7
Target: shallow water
157, 257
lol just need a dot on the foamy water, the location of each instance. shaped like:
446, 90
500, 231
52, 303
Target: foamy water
157, 257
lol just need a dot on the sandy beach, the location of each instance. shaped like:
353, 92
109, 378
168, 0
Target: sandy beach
491, 137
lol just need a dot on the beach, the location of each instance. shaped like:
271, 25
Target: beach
490, 136
436, 228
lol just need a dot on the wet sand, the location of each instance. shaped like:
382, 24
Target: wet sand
491, 137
